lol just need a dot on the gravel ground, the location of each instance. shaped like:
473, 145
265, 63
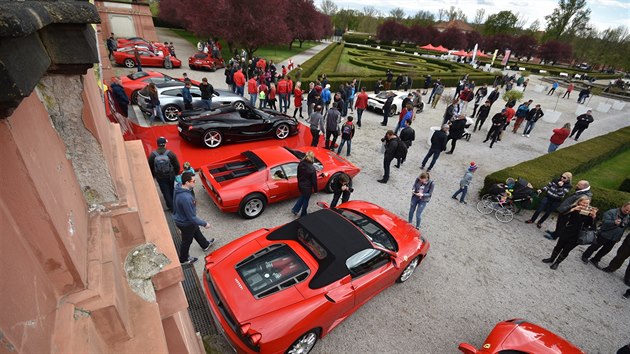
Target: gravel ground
479, 271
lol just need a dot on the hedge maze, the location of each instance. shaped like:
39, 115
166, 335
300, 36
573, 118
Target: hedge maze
380, 60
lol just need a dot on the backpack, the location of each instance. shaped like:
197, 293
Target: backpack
346, 130
401, 150
162, 164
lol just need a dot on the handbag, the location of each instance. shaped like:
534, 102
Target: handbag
586, 236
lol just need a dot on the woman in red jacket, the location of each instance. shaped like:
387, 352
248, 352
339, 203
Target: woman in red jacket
558, 137
297, 93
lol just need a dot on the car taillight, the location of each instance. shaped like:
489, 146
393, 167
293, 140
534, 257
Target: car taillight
190, 127
251, 335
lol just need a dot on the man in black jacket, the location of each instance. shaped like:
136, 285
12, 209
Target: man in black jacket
498, 121
387, 106
451, 111
206, 93
391, 145
164, 167
583, 121
482, 114
533, 116
407, 136
438, 144
494, 95
481, 93
456, 131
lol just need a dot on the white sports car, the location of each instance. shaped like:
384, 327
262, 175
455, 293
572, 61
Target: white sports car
376, 101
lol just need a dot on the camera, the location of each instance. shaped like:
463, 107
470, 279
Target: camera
586, 210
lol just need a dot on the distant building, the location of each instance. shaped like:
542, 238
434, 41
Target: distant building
457, 24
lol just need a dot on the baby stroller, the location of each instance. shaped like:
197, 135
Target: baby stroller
507, 199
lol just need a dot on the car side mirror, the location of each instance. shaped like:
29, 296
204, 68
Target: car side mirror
467, 348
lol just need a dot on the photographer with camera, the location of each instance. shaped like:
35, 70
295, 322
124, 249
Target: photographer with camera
581, 216
341, 188
614, 223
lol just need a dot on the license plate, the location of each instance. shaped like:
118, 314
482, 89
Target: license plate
179, 128
198, 62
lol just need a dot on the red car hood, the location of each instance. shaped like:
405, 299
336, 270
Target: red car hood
521, 335
234, 292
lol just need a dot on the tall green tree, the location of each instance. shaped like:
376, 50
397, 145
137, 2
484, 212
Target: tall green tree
397, 14
570, 18
503, 22
328, 7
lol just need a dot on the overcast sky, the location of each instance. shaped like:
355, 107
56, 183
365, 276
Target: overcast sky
604, 13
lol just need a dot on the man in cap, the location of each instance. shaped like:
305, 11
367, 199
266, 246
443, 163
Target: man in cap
164, 167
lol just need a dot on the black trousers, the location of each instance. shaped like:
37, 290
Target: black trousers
623, 253
479, 122
387, 162
188, 234
577, 131
603, 245
453, 143
345, 196
565, 244
315, 135
331, 143
493, 134
167, 187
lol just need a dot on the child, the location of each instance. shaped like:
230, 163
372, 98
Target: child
464, 182
187, 168
347, 132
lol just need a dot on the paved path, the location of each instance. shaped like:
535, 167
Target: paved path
478, 271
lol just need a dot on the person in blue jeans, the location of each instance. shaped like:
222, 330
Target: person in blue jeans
556, 190
347, 133
307, 183
421, 195
438, 144
465, 182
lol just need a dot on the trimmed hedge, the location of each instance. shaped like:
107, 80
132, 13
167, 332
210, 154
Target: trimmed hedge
577, 158
309, 66
329, 64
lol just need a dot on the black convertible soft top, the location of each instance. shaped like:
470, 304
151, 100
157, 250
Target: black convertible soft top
338, 236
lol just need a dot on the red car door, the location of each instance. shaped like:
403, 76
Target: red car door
282, 182
373, 273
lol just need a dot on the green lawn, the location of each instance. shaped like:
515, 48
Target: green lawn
609, 174
275, 53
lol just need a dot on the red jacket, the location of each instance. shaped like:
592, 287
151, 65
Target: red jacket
290, 86
261, 64
297, 100
559, 136
509, 114
361, 101
239, 78
283, 87
252, 88
272, 94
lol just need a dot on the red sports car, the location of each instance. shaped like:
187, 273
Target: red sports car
147, 58
279, 290
140, 42
136, 81
520, 336
205, 61
247, 182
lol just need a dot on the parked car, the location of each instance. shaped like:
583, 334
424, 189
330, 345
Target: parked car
170, 95
129, 43
136, 81
520, 336
234, 124
279, 290
376, 101
205, 61
247, 182
147, 58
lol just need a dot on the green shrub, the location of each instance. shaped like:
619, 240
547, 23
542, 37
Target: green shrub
309, 66
577, 158
329, 64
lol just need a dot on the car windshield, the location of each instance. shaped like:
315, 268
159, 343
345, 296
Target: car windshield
382, 94
272, 269
200, 56
375, 232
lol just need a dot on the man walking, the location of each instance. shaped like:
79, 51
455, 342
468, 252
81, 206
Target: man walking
437, 93
498, 121
387, 106
316, 121
361, 105
554, 86
391, 146
582, 124
482, 115
533, 116
164, 167
493, 96
438, 144
333, 118
186, 220
481, 93
111, 45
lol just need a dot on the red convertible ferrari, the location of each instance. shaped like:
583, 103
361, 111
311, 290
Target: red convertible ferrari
147, 58
279, 290
247, 182
520, 336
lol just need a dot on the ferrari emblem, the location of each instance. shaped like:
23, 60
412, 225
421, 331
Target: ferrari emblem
486, 346
405, 258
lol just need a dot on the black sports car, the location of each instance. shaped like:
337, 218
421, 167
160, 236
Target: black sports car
229, 124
